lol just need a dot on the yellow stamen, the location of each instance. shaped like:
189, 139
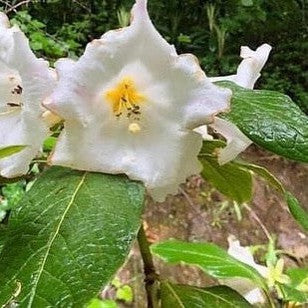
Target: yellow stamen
125, 98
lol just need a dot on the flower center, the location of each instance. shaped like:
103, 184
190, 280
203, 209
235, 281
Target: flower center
125, 99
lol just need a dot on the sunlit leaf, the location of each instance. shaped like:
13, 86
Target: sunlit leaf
209, 257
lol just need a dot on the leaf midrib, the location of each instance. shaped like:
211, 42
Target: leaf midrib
52, 239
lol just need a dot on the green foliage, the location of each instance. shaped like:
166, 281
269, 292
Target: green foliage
69, 235
297, 211
12, 194
10, 150
209, 257
263, 173
192, 27
98, 303
297, 291
229, 179
40, 42
187, 297
271, 120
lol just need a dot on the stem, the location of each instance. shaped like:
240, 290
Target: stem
149, 269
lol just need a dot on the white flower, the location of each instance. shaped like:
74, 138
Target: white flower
249, 69
244, 286
130, 104
24, 83
247, 74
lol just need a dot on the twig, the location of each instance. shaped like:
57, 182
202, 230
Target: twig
13, 8
257, 219
151, 276
82, 5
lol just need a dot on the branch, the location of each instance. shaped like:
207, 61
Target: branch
14, 7
151, 276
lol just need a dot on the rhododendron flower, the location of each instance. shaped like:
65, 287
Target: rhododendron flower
247, 74
24, 83
249, 69
130, 105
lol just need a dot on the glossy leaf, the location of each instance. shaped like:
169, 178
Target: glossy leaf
11, 150
297, 211
69, 235
271, 120
209, 257
229, 179
192, 297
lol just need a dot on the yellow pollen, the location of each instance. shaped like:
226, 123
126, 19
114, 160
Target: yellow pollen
134, 128
125, 98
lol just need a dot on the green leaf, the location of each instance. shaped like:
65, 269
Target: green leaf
247, 3
297, 290
271, 120
229, 179
293, 295
209, 257
210, 146
98, 303
10, 150
69, 235
49, 143
12, 194
125, 293
264, 173
300, 215
192, 297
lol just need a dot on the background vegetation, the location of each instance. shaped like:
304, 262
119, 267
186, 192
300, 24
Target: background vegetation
212, 30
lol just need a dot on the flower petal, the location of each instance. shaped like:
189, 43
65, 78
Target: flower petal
249, 69
32, 82
237, 142
244, 255
130, 104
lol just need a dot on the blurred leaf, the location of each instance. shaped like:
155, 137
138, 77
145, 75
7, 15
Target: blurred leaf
270, 119
99, 303
49, 143
297, 275
209, 257
296, 210
229, 179
125, 293
192, 297
298, 213
293, 295
70, 234
210, 146
247, 2
10, 150
264, 173
297, 290
12, 194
